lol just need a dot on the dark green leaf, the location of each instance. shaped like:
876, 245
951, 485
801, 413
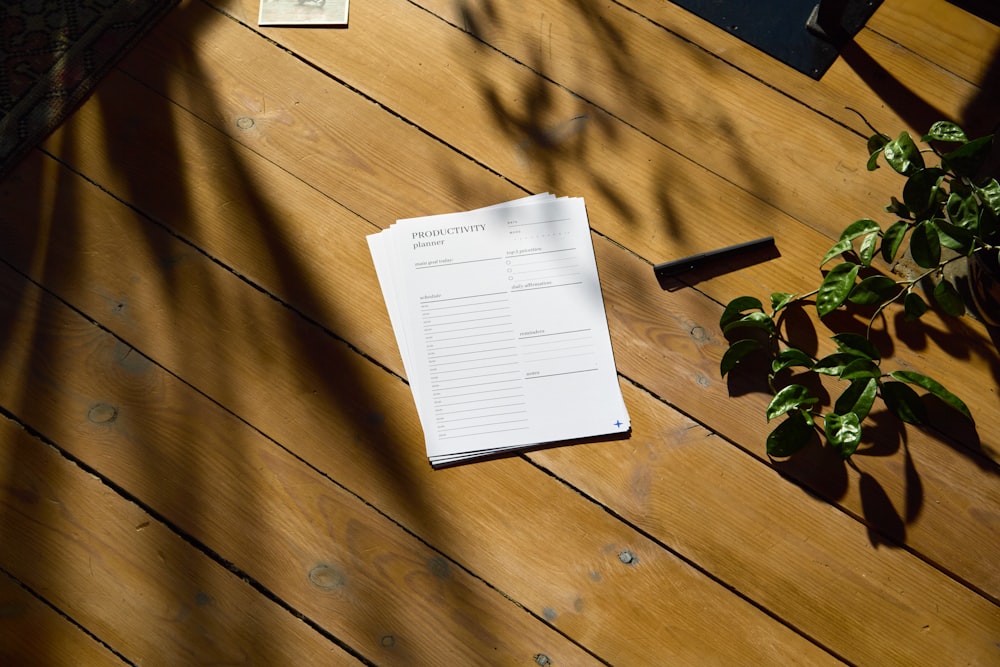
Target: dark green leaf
867, 250
735, 309
948, 298
856, 345
963, 210
839, 248
860, 369
990, 195
792, 397
877, 142
954, 237
904, 403
843, 432
933, 386
757, 320
779, 300
925, 245
858, 398
872, 290
859, 228
914, 306
968, 158
897, 207
945, 131
989, 223
903, 155
736, 352
790, 357
790, 435
921, 192
892, 238
833, 364
835, 287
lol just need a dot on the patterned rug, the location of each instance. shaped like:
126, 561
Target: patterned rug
52, 54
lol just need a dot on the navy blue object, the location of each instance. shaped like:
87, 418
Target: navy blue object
799, 33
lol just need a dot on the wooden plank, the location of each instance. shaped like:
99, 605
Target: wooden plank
892, 72
322, 550
809, 565
33, 633
758, 280
647, 196
435, 505
753, 135
683, 376
943, 33
126, 577
356, 423
674, 351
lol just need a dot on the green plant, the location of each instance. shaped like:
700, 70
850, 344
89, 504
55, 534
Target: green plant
948, 212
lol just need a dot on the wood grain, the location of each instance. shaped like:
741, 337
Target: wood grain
127, 578
357, 425
981, 353
190, 309
956, 39
33, 633
644, 353
441, 515
324, 551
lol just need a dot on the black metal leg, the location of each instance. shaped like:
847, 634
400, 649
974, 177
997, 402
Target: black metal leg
826, 20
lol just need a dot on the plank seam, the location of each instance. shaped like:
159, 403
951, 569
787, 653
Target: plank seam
232, 568
684, 559
215, 556
981, 459
381, 105
761, 461
875, 31
41, 598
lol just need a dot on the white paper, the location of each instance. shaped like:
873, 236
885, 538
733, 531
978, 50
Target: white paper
500, 321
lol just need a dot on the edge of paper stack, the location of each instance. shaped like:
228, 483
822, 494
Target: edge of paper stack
500, 322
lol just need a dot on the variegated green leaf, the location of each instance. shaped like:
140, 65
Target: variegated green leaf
903, 155
944, 130
843, 432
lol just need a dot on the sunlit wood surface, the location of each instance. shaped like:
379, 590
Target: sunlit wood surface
210, 454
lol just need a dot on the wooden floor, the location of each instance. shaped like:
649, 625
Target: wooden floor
211, 456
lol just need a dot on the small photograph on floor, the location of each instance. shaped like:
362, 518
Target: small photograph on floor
303, 12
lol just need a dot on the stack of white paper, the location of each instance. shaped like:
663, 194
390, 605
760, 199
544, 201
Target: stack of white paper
500, 322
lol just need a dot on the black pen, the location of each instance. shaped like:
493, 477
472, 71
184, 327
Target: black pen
677, 266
